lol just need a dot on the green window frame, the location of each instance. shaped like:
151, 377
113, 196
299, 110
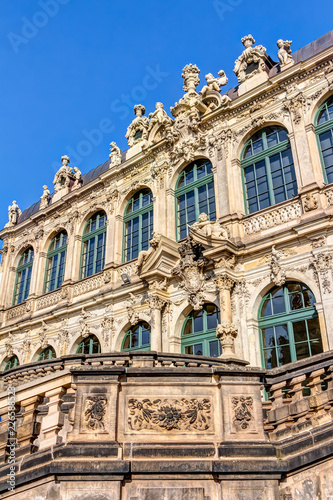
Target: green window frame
137, 338
194, 195
198, 335
56, 261
324, 133
47, 353
138, 224
268, 172
93, 245
11, 363
289, 325
90, 345
23, 276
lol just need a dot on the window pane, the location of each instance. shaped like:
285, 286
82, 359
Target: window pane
198, 350
302, 350
284, 355
198, 321
281, 334
188, 326
145, 336
270, 358
214, 348
300, 333
189, 349
268, 337
267, 308
313, 328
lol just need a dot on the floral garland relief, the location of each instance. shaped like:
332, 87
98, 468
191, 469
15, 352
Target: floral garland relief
169, 414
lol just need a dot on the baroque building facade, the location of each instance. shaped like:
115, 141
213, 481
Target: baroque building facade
167, 318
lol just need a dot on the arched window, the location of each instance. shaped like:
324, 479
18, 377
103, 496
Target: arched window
324, 131
90, 345
194, 195
268, 169
11, 363
48, 353
137, 338
138, 224
289, 325
199, 332
23, 276
56, 260
93, 245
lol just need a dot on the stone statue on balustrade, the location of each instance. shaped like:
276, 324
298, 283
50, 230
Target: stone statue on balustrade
64, 175
115, 155
284, 52
13, 214
44, 199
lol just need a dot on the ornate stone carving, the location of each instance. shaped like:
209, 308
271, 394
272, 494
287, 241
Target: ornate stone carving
43, 342
214, 83
132, 314
13, 214
273, 218
156, 302
278, 275
318, 242
112, 197
322, 265
94, 413
295, 104
158, 170
241, 290
227, 332
209, 229
52, 299
310, 203
63, 334
85, 328
129, 269
243, 412
64, 175
190, 271
44, 199
218, 141
9, 345
170, 414
256, 55
191, 78
158, 285
115, 155
224, 282
17, 311
228, 262
284, 52
138, 129
107, 325
145, 254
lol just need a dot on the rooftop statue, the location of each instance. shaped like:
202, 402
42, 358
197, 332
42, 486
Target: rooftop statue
214, 83
64, 175
256, 55
159, 116
138, 129
44, 199
115, 155
13, 214
284, 52
77, 178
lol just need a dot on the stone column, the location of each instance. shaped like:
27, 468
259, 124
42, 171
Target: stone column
156, 304
224, 285
30, 428
70, 258
53, 421
299, 143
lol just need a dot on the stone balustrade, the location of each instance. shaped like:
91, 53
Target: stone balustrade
272, 217
144, 411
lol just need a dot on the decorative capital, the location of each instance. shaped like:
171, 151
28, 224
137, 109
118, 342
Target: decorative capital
191, 78
156, 302
227, 332
223, 282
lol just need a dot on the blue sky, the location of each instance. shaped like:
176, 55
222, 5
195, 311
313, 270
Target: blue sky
72, 70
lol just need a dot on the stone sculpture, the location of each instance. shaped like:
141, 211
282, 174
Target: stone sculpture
77, 178
44, 199
284, 52
159, 116
210, 229
256, 55
64, 174
214, 83
13, 214
138, 129
115, 155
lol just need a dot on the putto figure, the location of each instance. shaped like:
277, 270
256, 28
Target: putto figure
214, 83
115, 154
44, 199
284, 52
210, 229
13, 214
